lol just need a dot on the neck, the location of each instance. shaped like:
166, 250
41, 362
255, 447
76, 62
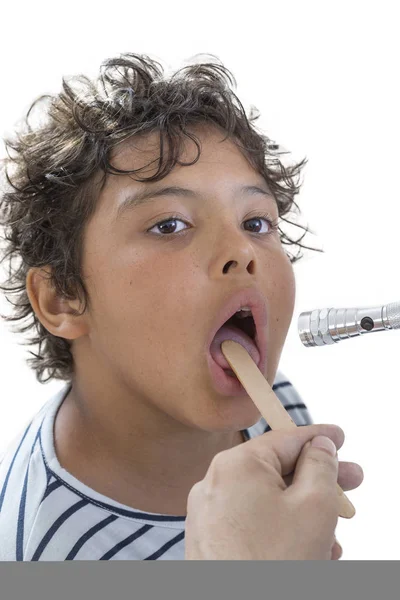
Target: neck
131, 453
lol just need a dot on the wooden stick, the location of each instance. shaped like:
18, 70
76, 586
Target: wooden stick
267, 402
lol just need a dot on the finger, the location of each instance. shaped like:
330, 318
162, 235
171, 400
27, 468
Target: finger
286, 445
350, 475
288, 479
317, 468
337, 550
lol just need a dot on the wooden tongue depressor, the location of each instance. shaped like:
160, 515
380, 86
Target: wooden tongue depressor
267, 402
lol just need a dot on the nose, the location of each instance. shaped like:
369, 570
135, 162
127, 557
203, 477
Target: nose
234, 265
235, 255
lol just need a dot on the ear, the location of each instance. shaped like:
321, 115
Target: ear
58, 315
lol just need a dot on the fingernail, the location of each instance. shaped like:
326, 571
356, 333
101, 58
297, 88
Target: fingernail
340, 548
324, 443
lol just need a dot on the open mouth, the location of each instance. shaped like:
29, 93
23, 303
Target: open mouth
240, 328
243, 331
242, 319
245, 324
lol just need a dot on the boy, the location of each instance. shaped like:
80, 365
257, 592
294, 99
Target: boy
144, 213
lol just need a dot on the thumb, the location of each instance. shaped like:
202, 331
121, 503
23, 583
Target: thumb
317, 468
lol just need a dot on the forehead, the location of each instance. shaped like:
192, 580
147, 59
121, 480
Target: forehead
221, 168
143, 152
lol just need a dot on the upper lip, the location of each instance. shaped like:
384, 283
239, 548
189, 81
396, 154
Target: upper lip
252, 298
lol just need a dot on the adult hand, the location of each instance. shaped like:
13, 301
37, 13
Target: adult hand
244, 509
350, 477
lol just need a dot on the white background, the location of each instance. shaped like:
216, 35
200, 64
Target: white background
326, 79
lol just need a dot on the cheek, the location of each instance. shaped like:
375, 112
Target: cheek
134, 293
282, 298
129, 279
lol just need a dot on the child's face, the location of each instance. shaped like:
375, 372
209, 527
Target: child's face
154, 296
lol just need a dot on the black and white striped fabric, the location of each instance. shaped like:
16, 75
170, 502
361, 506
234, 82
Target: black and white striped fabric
47, 514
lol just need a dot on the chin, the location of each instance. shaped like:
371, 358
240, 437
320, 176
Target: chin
233, 414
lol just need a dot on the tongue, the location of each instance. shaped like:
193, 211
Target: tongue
230, 332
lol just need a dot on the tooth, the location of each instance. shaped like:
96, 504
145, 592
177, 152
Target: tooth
243, 313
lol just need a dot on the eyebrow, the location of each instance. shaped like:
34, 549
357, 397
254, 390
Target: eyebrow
147, 196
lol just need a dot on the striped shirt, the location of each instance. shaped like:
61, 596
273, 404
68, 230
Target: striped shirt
47, 514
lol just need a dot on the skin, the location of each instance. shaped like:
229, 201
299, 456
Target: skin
143, 422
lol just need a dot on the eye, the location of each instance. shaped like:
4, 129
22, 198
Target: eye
167, 227
271, 227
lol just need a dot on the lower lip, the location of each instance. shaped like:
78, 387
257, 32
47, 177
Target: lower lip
225, 384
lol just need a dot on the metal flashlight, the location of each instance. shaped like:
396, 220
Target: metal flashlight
324, 326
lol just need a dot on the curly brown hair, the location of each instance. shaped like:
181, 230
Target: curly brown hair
49, 193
